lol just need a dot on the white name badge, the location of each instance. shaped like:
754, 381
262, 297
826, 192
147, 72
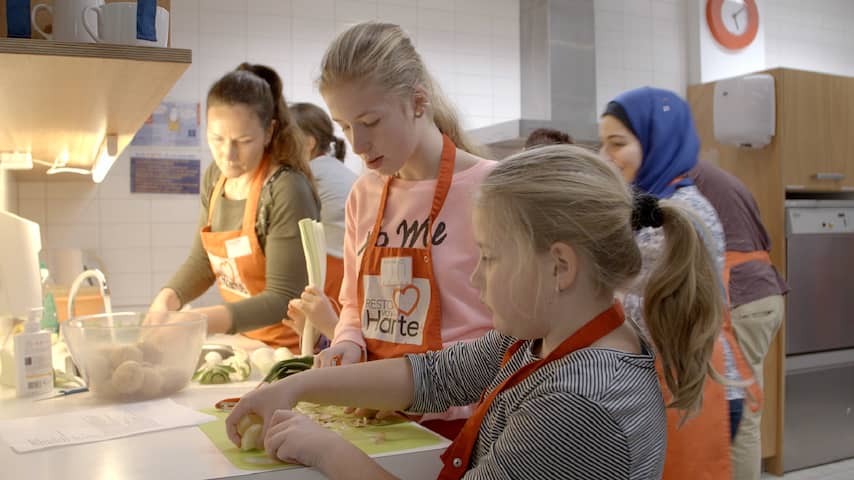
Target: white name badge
238, 247
395, 271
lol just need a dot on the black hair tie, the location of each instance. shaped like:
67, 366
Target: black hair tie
646, 212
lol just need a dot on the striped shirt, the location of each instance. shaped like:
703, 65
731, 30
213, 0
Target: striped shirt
595, 413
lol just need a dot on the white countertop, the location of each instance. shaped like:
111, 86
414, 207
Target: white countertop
184, 453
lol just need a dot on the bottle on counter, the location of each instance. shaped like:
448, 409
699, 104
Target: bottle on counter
33, 361
49, 319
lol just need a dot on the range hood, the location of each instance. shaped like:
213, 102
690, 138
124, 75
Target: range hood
558, 74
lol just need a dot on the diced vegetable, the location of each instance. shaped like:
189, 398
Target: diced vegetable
289, 367
251, 438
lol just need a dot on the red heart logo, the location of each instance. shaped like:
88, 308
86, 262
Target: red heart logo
407, 296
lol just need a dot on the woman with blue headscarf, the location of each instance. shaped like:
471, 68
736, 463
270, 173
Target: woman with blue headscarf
648, 134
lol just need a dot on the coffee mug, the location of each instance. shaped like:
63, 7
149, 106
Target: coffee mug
117, 24
68, 23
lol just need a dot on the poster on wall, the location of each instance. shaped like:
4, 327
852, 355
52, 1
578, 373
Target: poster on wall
150, 174
172, 124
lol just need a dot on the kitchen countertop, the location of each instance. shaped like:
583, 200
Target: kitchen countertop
184, 453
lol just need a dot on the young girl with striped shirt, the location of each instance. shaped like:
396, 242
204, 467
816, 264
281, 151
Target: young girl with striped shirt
566, 388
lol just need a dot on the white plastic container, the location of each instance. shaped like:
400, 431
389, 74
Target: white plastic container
744, 111
33, 361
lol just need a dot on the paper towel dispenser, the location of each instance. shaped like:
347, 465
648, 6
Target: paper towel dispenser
744, 110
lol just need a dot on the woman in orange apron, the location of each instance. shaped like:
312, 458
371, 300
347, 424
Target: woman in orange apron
755, 290
649, 135
253, 194
567, 388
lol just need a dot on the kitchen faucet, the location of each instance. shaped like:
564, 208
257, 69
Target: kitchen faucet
102, 285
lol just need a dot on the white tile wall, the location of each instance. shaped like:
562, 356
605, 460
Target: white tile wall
644, 42
810, 35
471, 46
640, 43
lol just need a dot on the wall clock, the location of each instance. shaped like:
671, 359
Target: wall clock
733, 23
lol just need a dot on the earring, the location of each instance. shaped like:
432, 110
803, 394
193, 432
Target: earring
557, 282
419, 113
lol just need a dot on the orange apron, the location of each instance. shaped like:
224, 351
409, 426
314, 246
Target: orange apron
401, 308
239, 263
333, 280
457, 457
700, 448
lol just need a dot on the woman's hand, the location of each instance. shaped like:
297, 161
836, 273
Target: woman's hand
315, 307
342, 353
165, 301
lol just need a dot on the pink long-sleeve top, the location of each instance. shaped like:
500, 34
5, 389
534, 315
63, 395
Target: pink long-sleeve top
455, 253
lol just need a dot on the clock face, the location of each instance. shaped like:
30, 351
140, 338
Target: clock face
733, 23
735, 17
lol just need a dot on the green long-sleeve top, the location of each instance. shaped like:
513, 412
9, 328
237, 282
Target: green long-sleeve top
286, 198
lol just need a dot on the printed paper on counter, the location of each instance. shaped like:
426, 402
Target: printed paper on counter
97, 424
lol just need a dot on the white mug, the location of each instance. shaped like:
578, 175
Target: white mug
117, 24
67, 20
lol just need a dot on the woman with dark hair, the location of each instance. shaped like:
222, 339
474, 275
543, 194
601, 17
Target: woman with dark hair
253, 195
547, 136
334, 181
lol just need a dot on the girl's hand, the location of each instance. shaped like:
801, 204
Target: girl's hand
293, 437
296, 317
262, 401
342, 353
315, 307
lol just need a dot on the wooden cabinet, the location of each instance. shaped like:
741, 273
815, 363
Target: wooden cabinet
812, 151
70, 106
806, 142
815, 130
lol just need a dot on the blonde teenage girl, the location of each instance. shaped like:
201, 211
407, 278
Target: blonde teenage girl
408, 244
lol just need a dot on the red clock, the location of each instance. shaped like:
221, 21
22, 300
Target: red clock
733, 23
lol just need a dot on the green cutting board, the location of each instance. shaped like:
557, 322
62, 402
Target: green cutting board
393, 436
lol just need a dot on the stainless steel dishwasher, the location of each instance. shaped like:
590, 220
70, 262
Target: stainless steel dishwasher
819, 408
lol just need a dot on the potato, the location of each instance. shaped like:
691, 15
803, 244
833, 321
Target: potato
173, 379
123, 353
98, 368
251, 438
151, 353
247, 421
152, 381
128, 377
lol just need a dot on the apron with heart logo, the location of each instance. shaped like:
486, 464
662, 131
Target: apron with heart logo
239, 263
401, 308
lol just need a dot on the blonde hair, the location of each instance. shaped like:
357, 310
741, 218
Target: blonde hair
382, 54
259, 87
564, 193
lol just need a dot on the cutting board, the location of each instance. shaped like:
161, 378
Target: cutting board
393, 436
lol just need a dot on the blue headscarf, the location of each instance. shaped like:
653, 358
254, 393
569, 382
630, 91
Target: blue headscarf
662, 122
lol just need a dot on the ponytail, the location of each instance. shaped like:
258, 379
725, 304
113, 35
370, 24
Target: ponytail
340, 148
683, 308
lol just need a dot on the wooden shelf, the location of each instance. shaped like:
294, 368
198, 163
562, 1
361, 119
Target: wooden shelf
58, 97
